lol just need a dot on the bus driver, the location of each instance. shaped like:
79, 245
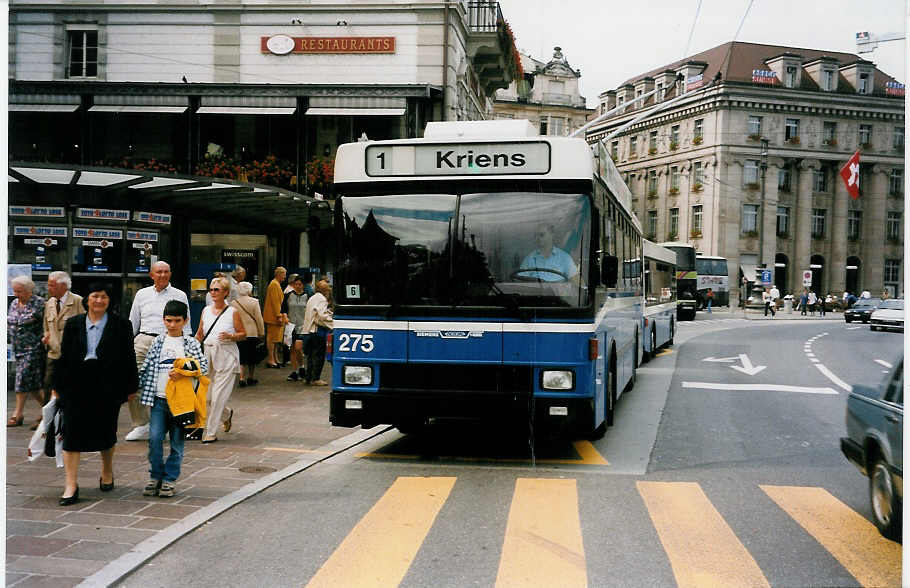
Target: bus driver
547, 257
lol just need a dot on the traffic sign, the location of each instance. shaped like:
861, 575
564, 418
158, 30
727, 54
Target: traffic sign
766, 277
807, 278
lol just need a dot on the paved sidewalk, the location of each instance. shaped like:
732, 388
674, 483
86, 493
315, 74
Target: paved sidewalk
276, 423
759, 314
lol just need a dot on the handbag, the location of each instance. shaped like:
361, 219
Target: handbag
260, 353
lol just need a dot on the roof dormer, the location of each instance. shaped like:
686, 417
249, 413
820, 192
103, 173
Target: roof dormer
788, 68
824, 72
665, 82
692, 74
861, 75
643, 86
625, 94
607, 100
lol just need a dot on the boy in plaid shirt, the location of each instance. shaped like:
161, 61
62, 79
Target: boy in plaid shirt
154, 374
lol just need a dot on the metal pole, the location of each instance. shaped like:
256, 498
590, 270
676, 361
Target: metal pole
761, 204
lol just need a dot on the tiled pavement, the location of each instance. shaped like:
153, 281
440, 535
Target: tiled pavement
275, 424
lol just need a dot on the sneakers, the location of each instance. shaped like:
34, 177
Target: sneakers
167, 490
140, 433
151, 489
293, 377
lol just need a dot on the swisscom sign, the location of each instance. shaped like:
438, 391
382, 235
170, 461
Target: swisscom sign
458, 159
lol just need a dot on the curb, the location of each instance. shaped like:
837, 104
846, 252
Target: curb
127, 563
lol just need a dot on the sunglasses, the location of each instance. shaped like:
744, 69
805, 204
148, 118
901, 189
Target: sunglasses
214, 289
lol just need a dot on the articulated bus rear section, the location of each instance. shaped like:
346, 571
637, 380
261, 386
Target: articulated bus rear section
659, 319
478, 277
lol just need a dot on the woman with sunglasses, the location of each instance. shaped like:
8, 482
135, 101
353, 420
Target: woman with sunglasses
219, 331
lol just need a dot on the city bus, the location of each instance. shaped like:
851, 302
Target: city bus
479, 277
659, 317
686, 279
712, 273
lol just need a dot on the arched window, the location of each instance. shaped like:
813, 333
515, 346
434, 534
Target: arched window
782, 273
817, 265
851, 278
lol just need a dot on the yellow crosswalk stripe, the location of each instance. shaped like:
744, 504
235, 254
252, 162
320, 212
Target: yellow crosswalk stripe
380, 548
702, 548
850, 538
543, 544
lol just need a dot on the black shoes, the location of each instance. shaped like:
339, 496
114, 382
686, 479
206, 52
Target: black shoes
68, 500
106, 487
293, 377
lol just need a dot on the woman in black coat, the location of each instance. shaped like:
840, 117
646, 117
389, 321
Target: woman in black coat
96, 374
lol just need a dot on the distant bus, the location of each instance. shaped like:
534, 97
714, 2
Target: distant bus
659, 320
686, 279
712, 273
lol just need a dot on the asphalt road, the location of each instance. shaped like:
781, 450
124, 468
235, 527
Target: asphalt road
718, 471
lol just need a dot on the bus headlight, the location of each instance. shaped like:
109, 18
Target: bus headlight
557, 380
357, 375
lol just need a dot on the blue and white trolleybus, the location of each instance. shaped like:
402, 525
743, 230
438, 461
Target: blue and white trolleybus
479, 276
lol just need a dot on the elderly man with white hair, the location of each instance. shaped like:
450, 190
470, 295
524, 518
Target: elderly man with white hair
24, 323
61, 306
147, 317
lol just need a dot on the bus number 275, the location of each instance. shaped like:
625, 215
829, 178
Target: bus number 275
351, 342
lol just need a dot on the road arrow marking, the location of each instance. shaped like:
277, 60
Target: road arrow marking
713, 359
747, 367
757, 387
884, 363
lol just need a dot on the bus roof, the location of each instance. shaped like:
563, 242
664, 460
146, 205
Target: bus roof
700, 256
654, 251
676, 244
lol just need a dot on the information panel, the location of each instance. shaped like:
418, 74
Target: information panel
43, 248
141, 251
97, 250
462, 159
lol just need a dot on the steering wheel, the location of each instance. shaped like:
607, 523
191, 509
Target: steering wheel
516, 274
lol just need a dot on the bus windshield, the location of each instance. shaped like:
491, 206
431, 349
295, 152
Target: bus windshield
508, 249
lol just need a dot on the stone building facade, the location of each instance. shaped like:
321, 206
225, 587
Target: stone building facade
745, 164
547, 95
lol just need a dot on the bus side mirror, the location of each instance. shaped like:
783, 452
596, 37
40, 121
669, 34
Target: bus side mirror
609, 270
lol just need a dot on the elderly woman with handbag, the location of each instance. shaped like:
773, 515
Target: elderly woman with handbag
97, 373
252, 349
25, 329
220, 328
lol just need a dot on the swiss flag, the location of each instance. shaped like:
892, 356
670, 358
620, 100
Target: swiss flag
850, 174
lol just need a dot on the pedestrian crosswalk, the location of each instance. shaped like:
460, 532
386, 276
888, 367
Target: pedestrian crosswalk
713, 323
544, 540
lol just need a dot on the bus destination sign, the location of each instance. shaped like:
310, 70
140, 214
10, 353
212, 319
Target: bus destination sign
472, 159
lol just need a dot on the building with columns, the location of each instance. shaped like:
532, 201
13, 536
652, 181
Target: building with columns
744, 164
547, 94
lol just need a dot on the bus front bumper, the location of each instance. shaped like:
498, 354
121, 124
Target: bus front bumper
556, 415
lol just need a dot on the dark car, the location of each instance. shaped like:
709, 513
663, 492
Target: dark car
874, 444
862, 310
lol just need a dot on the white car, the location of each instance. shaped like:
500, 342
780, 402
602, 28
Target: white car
888, 315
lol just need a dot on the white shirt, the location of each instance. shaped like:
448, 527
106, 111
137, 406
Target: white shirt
775, 294
317, 314
147, 313
171, 350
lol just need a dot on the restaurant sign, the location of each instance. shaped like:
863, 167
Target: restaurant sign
283, 44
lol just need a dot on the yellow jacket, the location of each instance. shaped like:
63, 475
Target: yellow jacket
185, 398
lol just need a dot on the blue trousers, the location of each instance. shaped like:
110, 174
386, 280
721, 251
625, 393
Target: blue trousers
160, 424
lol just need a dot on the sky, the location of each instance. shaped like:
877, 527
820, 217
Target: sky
611, 41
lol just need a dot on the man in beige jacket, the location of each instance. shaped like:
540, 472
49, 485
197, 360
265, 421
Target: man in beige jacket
61, 305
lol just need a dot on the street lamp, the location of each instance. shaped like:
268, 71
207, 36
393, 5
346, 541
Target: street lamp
761, 204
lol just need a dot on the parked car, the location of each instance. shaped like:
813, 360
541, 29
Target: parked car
875, 418
888, 315
862, 310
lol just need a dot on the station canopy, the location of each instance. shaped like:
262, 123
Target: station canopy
232, 202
